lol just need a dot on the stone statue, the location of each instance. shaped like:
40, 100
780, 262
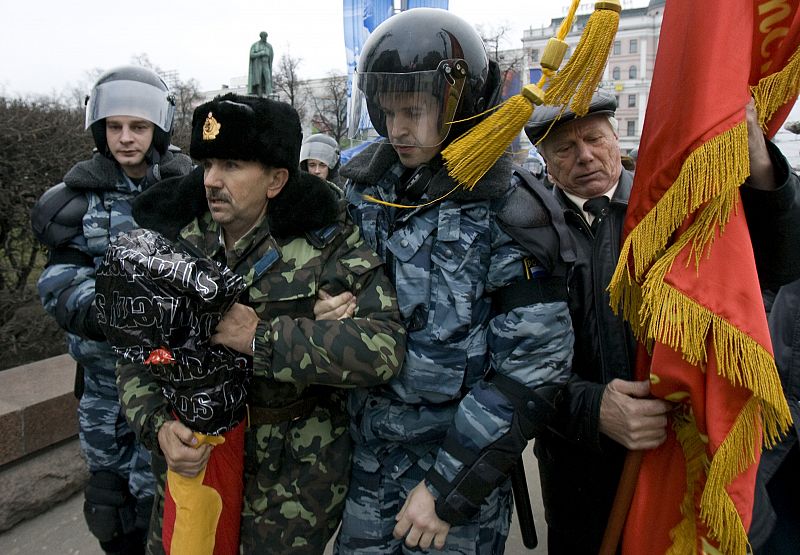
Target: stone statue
259, 80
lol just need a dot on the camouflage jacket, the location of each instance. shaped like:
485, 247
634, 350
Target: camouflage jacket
306, 243
446, 260
67, 289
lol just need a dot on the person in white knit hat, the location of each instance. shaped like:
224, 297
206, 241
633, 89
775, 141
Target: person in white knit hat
319, 155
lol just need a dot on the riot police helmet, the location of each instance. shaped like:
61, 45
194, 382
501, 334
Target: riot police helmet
437, 63
131, 91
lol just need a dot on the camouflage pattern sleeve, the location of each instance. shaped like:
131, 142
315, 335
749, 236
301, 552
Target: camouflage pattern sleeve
67, 294
143, 404
530, 344
362, 351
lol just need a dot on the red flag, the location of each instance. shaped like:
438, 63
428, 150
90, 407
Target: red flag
202, 514
687, 280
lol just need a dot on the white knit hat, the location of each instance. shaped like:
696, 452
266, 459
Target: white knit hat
320, 147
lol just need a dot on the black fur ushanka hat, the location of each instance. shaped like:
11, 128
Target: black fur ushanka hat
237, 127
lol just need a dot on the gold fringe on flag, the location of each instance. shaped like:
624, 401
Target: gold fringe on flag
720, 164
470, 156
681, 323
717, 510
775, 90
659, 312
579, 78
684, 535
706, 187
734, 455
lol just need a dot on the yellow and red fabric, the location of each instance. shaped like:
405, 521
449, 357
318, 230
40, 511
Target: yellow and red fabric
687, 280
202, 514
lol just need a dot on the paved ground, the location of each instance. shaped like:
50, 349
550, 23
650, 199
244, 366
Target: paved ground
62, 530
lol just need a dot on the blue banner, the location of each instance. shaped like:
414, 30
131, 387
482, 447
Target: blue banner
360, 19
512, 84
534, 75
443, 4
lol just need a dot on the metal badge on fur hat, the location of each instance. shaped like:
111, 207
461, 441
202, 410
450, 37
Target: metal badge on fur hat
237, 127
210, 128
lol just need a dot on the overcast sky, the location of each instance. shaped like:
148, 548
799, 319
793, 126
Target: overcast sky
50, 46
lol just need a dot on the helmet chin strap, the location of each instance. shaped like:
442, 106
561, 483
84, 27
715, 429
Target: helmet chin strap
153, 175
152, 156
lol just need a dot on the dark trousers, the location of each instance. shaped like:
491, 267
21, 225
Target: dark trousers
784, 493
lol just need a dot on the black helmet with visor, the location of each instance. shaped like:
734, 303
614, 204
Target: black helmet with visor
420, 71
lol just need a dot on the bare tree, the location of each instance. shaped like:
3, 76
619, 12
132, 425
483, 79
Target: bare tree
76, 93
40, 140
143, 59
330, 106
286, 83
511, 61
187, 97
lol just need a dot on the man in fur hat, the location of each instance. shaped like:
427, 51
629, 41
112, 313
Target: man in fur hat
250, 207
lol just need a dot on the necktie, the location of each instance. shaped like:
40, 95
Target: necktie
597, 207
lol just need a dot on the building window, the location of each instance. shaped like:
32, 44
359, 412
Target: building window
617, 47
631, 101
535, 55
631, 127
615, 74
616, 96
632, 72
634, 47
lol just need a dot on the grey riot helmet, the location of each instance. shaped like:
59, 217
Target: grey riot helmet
131, 91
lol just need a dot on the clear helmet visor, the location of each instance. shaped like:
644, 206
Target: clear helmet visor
131, 98
410, 109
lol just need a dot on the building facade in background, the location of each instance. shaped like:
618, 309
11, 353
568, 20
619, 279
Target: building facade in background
630, 64
628, 73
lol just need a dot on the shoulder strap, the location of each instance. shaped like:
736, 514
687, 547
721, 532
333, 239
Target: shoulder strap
533, 217
567, 248
321, 238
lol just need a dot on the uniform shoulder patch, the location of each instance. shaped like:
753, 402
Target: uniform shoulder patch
321, 238
265, 262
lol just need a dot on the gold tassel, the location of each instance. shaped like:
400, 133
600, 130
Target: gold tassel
469, 157
777, 89
579, 78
